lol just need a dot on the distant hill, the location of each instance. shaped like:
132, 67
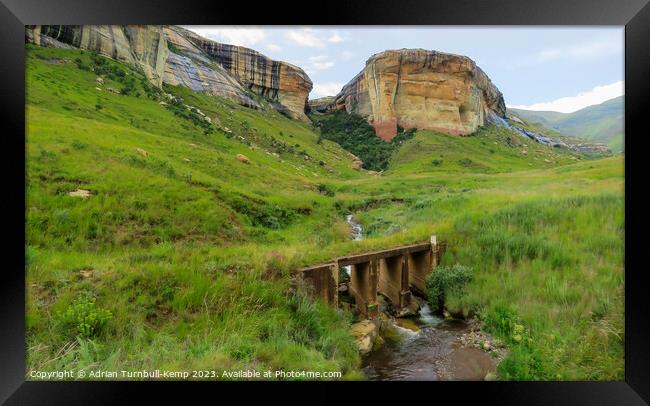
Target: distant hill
600, 123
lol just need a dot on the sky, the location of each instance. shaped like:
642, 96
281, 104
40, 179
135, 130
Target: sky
537, 68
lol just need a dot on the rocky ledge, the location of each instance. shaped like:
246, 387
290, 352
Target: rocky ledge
417, 88
173, 55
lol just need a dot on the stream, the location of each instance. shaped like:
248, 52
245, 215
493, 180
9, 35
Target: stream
428, 347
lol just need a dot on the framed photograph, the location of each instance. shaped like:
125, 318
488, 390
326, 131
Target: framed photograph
431, 192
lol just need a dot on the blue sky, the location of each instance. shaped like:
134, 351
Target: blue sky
541, 68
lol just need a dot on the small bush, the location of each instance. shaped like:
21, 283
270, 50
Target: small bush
325, 190
444, 281
84, 319
436, 162
466, 162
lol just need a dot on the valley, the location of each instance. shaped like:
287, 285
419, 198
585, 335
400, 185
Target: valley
163, 223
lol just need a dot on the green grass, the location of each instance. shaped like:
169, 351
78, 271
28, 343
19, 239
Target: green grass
190, 250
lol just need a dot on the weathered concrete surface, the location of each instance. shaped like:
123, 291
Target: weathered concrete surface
393, 272
322, 282
394, 280
363, 286
420, 265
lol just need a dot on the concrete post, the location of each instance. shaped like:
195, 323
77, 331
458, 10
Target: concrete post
434, 251
394, 280
363, 286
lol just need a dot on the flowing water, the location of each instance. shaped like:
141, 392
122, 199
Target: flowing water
357, 233
431, 353
428, 350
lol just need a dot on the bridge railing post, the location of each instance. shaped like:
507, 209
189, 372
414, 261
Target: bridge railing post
434, 251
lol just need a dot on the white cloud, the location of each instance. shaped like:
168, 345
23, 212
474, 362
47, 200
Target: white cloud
322, 65
317, 63
347, 55
335, 38
570, 104
242, 36
574, 53
274, 47
317, 58
326, 89
305, 37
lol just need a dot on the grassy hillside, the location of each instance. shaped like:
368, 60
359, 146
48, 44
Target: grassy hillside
601, 123
180, 257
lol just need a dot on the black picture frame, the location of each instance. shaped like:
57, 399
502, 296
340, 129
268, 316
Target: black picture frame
633, 14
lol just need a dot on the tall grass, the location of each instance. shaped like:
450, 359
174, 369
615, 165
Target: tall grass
191, 251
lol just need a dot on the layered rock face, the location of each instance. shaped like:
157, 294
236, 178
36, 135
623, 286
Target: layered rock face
416, 88
285, 84
177, 56
322, 104
140, 45
187, 65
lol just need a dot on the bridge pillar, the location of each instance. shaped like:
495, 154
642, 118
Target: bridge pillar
421, 264
394, 280
322, 281
363, 287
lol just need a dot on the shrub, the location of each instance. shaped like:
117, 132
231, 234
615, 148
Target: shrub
444, 281
325, 190
436, 162
466, 162
84, 319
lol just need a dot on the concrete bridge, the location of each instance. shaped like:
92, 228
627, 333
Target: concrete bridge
393, 272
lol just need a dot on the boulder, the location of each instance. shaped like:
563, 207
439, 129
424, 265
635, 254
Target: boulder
407, 324
409, 310
243, 158
417, 88
364, 334
80, 193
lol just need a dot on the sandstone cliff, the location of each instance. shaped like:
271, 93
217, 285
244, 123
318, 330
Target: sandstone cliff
416, 88
285, 84
173, 55
140, 45
321, 104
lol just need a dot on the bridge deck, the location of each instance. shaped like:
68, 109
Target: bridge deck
367, 256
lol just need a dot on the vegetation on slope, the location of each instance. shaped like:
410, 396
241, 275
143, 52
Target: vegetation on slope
168, 240
180, 257
354, 134
600, 123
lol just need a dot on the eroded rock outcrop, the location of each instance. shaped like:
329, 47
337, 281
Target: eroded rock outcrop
187, 65
173, 55
139, 45
321, 104
416, 88
281, 82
